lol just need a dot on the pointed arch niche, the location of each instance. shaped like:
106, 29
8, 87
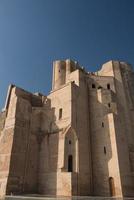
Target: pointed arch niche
70, 159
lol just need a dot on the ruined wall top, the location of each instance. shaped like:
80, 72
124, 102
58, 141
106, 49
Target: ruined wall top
63, 68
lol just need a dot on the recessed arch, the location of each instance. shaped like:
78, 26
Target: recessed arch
111, 186
70, 150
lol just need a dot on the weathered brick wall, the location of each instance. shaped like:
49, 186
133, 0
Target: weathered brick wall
99, 109
2, 120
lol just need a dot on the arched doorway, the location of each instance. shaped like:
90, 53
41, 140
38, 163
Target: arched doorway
70, 163
111, 186
70, 151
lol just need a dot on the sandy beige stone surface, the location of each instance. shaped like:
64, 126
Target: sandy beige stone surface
78, 140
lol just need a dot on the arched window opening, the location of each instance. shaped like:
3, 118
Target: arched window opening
93, 86
109, 105
108, 86
99, 87
105, 151
102, 124
70, 163
111, 186
69, 142
60, 113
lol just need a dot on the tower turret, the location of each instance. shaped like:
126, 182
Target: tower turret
61, 71
59, 74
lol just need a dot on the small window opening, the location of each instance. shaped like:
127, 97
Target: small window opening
108, 86
109, 105
93, 86
99, 87
59, 70
102, 124
70, 163
69, 141
105, 150
60, 113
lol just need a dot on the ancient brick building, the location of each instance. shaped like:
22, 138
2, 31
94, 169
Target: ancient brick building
78, 140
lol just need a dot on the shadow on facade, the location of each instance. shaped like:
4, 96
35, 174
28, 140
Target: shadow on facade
34, 154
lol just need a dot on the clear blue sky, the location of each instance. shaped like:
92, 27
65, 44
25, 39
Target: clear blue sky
33, 33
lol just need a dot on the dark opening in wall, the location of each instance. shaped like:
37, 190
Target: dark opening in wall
108, 86
99, 87
102, 124
60, 113
111, 186
69, 142
70, 163
105, 150
93, 86
109, 105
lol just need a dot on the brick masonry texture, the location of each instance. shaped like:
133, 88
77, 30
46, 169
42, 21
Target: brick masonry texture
78, 140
